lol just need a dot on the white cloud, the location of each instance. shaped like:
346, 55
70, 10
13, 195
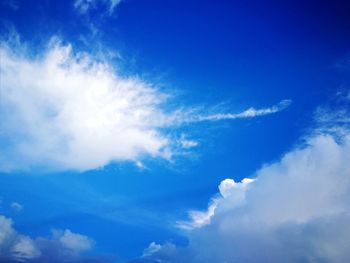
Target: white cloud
249, 113
140, 165
63, 245
71, 112
13, 245
75, 242
229, 190
167, 252
187, 143
67, 111
289, 209
84, 6
199, 218
282, 191
16, 206
229, 187
151, 249
24, 249
295, 210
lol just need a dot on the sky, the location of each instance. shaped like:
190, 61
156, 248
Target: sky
174, 131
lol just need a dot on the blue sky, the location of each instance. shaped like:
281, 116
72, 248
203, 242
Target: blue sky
128, 127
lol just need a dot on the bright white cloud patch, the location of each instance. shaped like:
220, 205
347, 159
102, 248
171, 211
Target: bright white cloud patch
64, 110
70, 112
229, 190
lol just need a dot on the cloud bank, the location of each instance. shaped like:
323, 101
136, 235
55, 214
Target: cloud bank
62, 110
63, 246
294, 210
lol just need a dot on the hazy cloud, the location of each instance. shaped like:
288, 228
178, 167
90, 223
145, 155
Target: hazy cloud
187, 143
13, 4
84, 6
16, 206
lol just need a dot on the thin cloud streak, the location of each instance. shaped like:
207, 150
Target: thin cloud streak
249, 113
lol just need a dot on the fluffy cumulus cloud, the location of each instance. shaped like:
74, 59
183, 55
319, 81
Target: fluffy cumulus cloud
63, 246
75, 242
229, 190
14, 246
71, 112
295, 210
64, 110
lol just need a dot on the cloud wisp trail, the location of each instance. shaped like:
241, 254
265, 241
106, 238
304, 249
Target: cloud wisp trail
249, 113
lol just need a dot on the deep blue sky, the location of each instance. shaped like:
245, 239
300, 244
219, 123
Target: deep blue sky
251, 53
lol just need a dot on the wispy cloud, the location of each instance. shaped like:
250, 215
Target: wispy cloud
13, 4
16, 206
187, 143
151, 249
84, 6
72, 112
65, 110
249, 113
